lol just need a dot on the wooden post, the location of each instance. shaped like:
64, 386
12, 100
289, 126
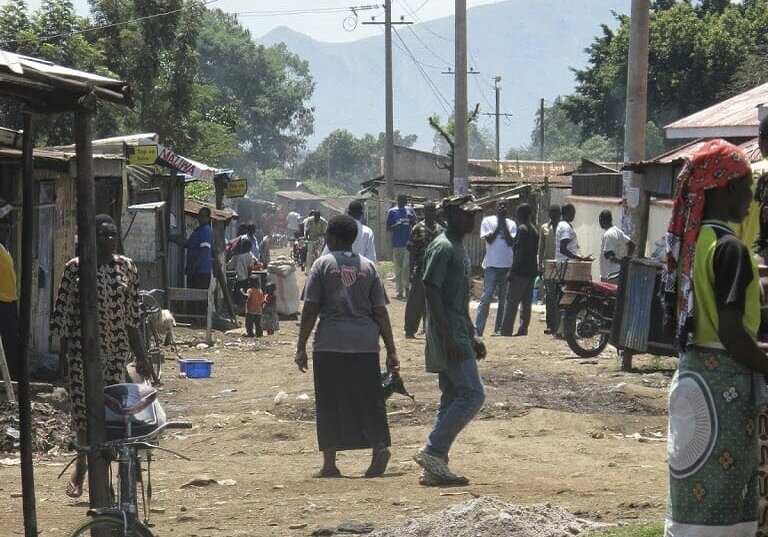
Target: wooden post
98, 480
209, 313
25, 329
7, 384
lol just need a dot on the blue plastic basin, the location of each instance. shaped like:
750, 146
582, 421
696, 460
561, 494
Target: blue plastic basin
196, 368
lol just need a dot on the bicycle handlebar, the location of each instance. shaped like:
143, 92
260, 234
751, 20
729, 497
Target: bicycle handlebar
132, 440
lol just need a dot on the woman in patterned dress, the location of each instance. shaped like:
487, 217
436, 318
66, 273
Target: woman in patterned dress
117, 288
712, 280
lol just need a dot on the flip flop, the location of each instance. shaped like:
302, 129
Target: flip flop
379, 463
74, 490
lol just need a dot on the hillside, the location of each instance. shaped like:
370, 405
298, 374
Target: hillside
530, 43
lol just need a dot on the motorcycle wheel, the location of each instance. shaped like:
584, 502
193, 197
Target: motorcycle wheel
581, 332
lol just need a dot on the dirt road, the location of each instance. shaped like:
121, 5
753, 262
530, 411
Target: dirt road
555, 428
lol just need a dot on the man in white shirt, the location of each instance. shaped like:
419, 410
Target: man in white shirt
365, 243
292, 221
615, 246
566, 239
499, 232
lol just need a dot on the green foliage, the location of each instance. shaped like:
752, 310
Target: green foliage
696, 50
655, 529
342, 161
200, 190
198, 79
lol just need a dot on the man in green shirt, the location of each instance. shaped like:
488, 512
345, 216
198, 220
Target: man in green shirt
452, 348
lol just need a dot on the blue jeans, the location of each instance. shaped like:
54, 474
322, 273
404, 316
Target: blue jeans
462, 397
493, 279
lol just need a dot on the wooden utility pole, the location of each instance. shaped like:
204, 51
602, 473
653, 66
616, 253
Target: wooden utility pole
389, 109
25, 329
461, 149
98, 478
541, 129
636, 201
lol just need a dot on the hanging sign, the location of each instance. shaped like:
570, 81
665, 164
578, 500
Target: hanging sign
142, 155
236, 188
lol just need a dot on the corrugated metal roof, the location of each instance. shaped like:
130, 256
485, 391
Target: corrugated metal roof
297, 195
732, 118
46, 85
193, 206
751, 148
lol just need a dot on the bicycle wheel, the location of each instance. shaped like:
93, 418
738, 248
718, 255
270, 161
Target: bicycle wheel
156, 358
107, 525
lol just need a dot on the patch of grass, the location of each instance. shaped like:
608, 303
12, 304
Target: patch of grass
655, 529
385, 268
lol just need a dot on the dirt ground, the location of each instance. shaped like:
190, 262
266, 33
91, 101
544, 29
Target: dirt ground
555, 428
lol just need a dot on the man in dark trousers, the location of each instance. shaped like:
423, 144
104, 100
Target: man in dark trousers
451, 349
522, 274
547, 250
422, 236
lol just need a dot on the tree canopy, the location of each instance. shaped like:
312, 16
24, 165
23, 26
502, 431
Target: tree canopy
199, 80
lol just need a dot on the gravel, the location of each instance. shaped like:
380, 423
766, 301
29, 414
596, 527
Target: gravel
492, 517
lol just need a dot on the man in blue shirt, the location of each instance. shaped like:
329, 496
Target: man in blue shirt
400, 221
199, 252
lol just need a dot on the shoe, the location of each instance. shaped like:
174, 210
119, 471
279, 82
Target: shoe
547, 331
399, 296
521, 333
427, 479
432, 464
497, 334
410, 335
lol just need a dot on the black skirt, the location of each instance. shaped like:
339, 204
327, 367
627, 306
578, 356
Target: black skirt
350, 406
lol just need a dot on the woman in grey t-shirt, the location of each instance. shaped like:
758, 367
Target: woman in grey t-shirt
345, 292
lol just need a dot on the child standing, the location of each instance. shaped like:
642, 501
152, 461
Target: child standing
253, 307
270, 321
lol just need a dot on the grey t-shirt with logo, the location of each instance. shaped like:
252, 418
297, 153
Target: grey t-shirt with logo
347, 287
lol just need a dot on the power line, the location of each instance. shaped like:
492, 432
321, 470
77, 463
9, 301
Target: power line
444, 103
267, 13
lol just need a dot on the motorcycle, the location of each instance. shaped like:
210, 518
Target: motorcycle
588, 308
299, 252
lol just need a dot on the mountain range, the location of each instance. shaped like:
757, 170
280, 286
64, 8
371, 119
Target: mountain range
531, 44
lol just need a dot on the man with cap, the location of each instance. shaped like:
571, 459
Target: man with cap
400, 221
452, 350
315, 227
422, 236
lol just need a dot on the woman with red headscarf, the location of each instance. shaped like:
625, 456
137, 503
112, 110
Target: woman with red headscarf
713, 286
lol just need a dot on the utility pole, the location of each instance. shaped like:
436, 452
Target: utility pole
497, 115
636, 201
461, 151
541, 129
389, 112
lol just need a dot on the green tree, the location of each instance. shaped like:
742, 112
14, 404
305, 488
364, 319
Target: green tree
695, 50
479, 140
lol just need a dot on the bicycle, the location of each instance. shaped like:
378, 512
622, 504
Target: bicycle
150, 313
128, 401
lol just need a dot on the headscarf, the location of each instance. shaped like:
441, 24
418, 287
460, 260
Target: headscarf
714, 165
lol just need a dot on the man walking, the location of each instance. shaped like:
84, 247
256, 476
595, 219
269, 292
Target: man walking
422, 236
522, 274
547, 250
498, 231
451, 347
315, 227
615, 246
292, 221
400, 221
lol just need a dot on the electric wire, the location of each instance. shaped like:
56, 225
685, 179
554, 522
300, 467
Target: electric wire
115, 24
403, 47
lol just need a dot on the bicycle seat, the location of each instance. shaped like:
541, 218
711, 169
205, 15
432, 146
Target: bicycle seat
129, 399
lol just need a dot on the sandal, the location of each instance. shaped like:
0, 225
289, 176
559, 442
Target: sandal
74, 490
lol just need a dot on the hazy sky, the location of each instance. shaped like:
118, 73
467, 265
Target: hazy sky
324, 20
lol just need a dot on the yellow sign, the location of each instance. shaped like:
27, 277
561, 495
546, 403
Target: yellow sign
236, 189
142, 155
